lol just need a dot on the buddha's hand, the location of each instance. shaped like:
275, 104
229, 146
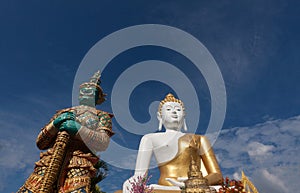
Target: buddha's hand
70, 126
127, 186
62, 118
179, 182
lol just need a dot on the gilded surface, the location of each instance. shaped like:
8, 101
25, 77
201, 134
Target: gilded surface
189, 145
248, 185
196, 183
75, 167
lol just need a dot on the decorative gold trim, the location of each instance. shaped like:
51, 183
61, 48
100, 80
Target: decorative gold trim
76, 183
248, 185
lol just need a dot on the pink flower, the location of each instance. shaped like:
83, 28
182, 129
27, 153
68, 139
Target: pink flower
139, 185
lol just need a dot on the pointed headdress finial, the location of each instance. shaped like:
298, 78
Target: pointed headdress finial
96, 78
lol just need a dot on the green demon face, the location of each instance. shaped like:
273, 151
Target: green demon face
88, 96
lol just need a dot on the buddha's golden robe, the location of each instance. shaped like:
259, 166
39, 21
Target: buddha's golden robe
189, 146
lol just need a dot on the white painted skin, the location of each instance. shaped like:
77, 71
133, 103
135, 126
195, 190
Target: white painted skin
163, 145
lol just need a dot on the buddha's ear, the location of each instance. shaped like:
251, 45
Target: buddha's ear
158, 116
160, 121
184, 125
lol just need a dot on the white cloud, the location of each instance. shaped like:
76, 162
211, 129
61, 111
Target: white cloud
15, 157
237, 175
258, 149
14, 154
268, 182
274, 179
267, 152
17, 149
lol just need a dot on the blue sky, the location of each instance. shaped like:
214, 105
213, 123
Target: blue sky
254, 43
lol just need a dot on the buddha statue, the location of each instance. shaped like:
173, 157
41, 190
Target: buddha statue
173, 150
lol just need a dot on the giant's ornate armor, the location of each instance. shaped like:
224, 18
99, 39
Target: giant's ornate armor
79, 161
72, 137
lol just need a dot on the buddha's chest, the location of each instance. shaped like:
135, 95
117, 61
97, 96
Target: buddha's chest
166, 149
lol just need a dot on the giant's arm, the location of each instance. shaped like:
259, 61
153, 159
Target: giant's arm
142, 162
47, 136
214, 176
98, 140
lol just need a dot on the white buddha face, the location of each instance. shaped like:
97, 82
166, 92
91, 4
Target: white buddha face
172, 115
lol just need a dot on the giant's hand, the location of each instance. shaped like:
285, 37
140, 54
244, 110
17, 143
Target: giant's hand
70, 126
62, 118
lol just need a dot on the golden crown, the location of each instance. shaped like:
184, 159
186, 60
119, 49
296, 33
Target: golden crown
170, 98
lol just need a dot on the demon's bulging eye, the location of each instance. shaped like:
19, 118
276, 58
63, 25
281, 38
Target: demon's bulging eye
87, 91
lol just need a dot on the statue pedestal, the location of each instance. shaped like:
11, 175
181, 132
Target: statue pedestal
158, 191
